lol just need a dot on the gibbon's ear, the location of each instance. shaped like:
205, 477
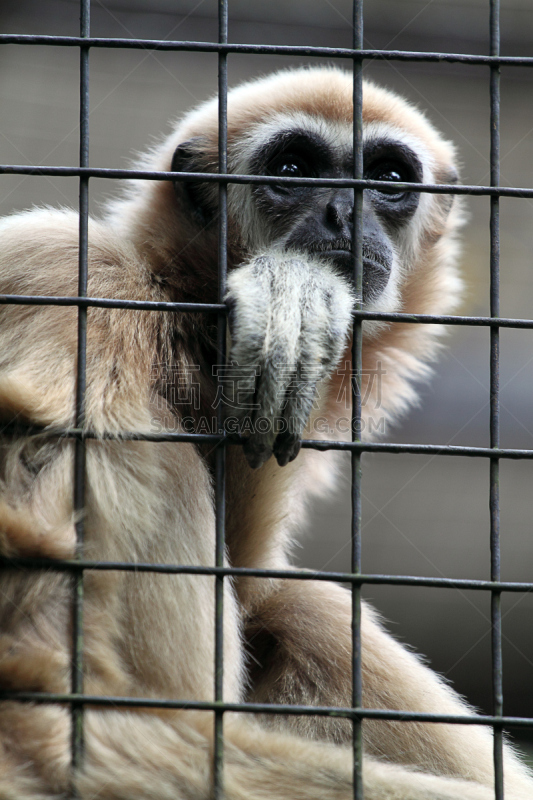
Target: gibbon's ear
198, 197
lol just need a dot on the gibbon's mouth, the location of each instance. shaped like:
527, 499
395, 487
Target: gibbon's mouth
345, 254
376, 271
342, 249
336, 245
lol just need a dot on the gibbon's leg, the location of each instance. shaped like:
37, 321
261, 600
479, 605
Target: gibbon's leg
151, 637
135, 757
300, 641
131, 755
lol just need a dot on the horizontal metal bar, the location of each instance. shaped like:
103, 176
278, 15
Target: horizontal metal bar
264, 49
16, 429
71, 565
267, 180
105, 302
266, 708
445, 319
418, 449
151, 305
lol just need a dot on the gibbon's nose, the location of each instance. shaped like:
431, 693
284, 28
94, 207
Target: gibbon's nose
339, 211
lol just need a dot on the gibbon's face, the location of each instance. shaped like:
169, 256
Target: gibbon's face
299, 124
319, 221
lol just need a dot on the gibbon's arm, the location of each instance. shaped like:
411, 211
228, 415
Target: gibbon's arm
289, 319
289, 315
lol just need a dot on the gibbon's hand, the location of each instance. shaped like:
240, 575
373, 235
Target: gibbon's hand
289, 321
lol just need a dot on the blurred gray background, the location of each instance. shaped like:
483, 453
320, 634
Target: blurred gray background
422, 515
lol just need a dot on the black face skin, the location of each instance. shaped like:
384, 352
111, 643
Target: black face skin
324, 217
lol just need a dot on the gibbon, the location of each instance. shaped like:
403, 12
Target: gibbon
290, 297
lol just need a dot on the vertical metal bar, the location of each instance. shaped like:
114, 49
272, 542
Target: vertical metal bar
220, 455
496, 616
356, 397
79, 451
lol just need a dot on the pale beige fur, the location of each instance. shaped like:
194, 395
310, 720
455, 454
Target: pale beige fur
150, 635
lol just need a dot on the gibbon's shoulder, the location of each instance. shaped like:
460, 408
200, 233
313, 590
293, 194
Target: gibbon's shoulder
39, 252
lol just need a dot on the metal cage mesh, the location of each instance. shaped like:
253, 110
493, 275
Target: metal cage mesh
77, 698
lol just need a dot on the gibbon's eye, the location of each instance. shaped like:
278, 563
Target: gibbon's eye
392, 172
289, 170
289, 166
